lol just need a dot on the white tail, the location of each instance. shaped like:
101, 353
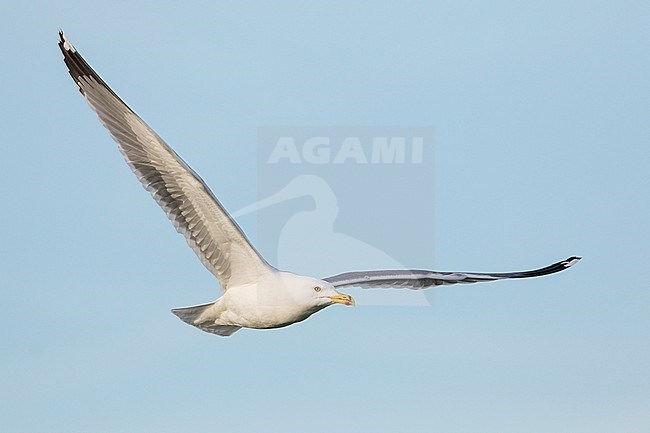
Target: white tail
192, 316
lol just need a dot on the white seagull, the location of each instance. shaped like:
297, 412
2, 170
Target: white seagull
256, 295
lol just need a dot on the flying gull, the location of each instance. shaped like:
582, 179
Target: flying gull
256, 295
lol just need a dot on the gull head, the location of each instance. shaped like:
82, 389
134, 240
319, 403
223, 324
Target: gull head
323, 294
315, 293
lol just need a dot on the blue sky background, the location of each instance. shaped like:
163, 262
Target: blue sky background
540, 112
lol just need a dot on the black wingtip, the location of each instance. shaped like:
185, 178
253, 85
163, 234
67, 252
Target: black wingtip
64, 43
550, 269
79, 69
571, 261
77, 66
62, 37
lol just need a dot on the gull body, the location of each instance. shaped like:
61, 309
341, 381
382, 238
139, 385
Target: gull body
256, 295
276, 300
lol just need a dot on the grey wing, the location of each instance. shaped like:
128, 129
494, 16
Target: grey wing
187, 201
419, 279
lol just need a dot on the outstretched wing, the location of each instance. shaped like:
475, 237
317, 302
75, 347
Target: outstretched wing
188, 202
416, 279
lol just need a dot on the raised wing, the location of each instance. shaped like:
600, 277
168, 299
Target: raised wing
188, 202
417, 280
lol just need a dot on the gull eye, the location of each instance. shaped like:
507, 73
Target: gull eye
317, 289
